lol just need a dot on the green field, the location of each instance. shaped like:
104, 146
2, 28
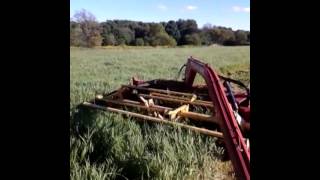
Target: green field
107, 146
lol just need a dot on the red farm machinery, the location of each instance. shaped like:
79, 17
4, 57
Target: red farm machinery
215, 108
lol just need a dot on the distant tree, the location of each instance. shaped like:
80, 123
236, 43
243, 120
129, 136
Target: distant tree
205, 37
222, 35
124, 35
172, 29
209, 35
142, 30
75, 34
90, 28
164, 24
121, 42
146, 41
139, 42
228, 37
241, 37
86, 31
164, 39
192, 39
207, 26
155, 29
186, 27
106, 27
216, 35
159, 37
109, 39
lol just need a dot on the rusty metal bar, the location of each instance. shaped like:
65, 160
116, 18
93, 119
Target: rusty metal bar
158, 90
158, 120
185, 114
124, 103
181, 98
197, 116
176, 100
139, 103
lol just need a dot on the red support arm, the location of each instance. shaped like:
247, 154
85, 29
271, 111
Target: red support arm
236, 147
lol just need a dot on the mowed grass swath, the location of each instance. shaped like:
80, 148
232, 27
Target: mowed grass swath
108, 146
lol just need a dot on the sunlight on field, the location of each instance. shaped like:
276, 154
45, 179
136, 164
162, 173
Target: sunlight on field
106, 146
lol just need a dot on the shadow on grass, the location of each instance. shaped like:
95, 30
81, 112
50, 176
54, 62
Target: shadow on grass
130, 146
81, 120
105, 140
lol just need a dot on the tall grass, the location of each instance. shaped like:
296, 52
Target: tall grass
107, 146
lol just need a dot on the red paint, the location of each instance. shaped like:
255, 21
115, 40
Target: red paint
236, 147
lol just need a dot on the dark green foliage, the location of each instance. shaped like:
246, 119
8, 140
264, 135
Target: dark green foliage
124, 35
159, 37
187, 26
108, 39
139, 42
241, 36
87, 32
172, 30
192, 39
75, 34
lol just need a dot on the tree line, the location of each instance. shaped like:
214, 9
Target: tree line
86, 31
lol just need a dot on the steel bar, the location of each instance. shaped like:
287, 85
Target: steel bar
180, 98
176, 100
158, 90
197, 116
154, 105
154, 119
126, 103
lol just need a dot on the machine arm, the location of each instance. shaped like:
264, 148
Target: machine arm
235, 144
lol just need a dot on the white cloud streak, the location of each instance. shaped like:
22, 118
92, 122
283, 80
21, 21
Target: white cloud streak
241, 9
191, 8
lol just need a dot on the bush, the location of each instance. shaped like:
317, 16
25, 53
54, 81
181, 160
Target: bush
121, 41
192, 39
165, 40
241, 37
89, 29
109, 40
139, 42
94, 40
124, 34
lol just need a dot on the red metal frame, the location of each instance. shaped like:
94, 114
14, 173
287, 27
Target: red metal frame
235, 145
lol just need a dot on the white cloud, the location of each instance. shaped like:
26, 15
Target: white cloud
236, 8
162, 7
241, 9
246, 9
191, 8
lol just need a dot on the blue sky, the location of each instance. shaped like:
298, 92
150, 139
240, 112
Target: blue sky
229, 13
